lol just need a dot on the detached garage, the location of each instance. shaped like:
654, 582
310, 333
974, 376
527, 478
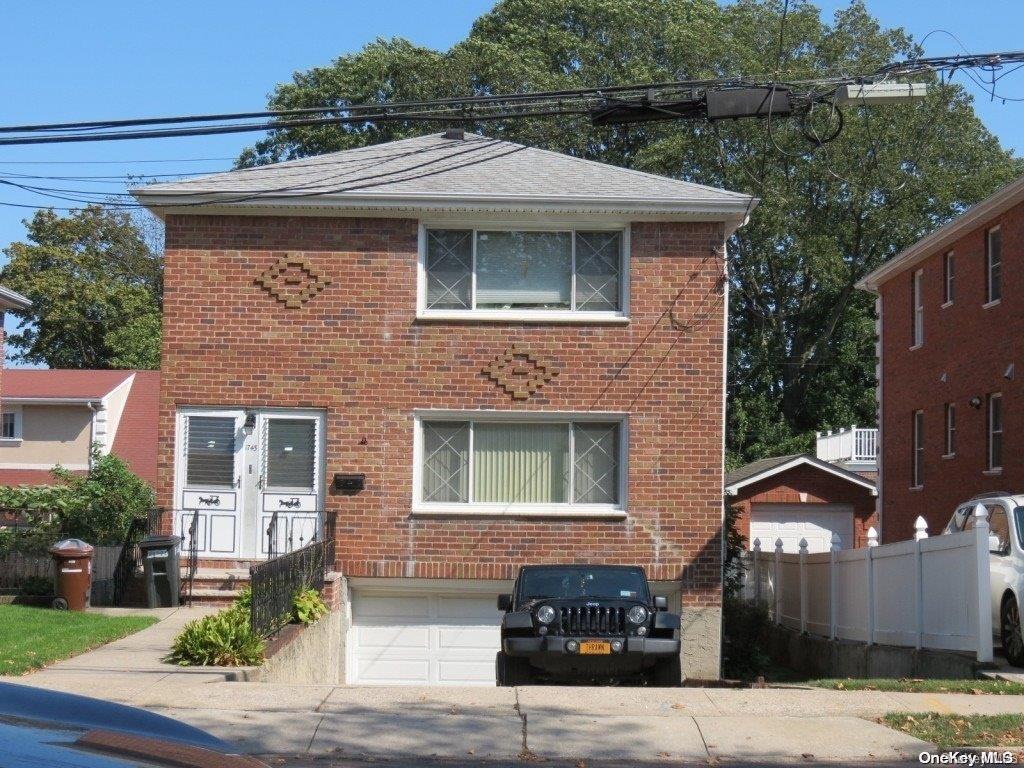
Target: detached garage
801, 497
423, 632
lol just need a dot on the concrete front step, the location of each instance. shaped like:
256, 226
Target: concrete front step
216, 586
211, 597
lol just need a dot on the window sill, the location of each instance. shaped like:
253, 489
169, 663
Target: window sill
916, 346
10, 441
916, 488
993, 303
531, 510
948, 456
525, 316
993, 472
946, 304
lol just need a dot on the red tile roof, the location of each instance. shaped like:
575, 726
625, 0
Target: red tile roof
27, 477
59, 383
135, 439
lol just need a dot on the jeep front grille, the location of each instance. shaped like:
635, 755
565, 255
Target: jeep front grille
592, 621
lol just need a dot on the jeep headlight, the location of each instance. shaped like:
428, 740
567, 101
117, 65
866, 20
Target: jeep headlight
637, 614
545, 614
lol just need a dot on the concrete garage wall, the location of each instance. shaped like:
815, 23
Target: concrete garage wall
822, 657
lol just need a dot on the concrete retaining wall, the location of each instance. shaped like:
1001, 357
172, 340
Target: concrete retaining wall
822, 657
312, 655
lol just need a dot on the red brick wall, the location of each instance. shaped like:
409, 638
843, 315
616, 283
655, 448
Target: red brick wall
357, 351
972, 347
820, 488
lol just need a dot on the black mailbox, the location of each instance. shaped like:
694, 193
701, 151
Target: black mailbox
349, 482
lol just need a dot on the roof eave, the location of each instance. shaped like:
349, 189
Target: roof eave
995, 204
12, 300
733, 489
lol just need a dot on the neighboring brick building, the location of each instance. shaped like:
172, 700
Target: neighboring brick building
523, 352
801, 497
951, 325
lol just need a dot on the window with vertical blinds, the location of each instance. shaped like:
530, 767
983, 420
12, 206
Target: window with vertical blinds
210, 451
521, 463
509, 270
291, 453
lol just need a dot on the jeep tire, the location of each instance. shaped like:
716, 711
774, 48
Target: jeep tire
510, 671
667, 673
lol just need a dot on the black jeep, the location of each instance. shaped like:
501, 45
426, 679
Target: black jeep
586, 622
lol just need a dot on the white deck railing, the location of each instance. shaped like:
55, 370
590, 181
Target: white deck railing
854, 444
924, 593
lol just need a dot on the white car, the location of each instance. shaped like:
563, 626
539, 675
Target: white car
1006, 545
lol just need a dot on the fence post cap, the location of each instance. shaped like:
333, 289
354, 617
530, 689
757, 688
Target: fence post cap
980, 511
757, 545
803, 546
872, 537
778, 544
920, 528
837, 542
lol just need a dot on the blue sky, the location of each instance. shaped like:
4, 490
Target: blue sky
65, 60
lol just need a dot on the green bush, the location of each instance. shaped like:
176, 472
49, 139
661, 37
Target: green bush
745, 635
37, 585
308, 606
225, 639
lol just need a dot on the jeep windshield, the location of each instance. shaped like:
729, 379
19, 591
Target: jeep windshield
579, 583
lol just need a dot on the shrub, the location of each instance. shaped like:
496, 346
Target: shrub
745, 634
225, 639
37, 585
308, 606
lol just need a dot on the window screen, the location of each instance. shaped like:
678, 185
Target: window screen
211, 451
8, 426
449, 268
291, 453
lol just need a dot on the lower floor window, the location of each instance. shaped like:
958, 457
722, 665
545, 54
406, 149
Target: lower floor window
470, 461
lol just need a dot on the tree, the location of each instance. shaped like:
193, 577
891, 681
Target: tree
801, 334
95, 282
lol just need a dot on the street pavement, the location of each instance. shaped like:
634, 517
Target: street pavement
327, 725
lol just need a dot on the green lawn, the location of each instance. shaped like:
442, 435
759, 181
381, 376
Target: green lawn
998, 687
34, 637
950, 731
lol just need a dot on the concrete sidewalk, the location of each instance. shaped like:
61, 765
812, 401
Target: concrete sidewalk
557, 723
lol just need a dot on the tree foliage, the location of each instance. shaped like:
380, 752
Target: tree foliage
801, 346
95, 282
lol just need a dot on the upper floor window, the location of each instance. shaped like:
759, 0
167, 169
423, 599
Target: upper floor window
993, 265
917, 457
995, 431
519, 464
948, 277
917, 309
514, 274
950, 429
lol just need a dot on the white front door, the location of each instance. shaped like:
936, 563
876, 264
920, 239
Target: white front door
236, 468
792, 522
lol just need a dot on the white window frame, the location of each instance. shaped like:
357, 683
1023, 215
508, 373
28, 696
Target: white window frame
566, 509
917, 448
950, 432
948, 278
990, 432
917, 294
15, 411
525, 315
989, 300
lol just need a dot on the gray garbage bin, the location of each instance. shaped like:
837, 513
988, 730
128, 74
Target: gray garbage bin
162, 570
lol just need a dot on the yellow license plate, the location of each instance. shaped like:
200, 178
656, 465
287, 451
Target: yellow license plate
595, 647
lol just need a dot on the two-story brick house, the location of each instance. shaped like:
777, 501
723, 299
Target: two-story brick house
523, 352
950, 325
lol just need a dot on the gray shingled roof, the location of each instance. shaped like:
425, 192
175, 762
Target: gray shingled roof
438, 168
757, 467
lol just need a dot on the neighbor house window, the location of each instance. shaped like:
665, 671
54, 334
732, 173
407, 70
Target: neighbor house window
995, 431
917, 309
516, 272
9, 426
917, 458
950, 429
993, 265
948, 277
516, 464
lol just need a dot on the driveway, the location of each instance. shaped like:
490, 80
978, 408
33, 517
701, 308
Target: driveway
534, 722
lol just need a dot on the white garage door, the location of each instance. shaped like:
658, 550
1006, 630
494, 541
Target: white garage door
430, 638
792, 522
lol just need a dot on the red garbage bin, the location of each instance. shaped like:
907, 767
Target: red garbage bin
72, 564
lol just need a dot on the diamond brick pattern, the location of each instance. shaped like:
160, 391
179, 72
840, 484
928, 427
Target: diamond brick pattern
292, 281
519, 372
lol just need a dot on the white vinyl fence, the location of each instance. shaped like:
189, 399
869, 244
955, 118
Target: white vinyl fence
924, 593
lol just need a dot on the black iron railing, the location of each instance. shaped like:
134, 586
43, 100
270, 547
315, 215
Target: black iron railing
275, 581
191, 552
